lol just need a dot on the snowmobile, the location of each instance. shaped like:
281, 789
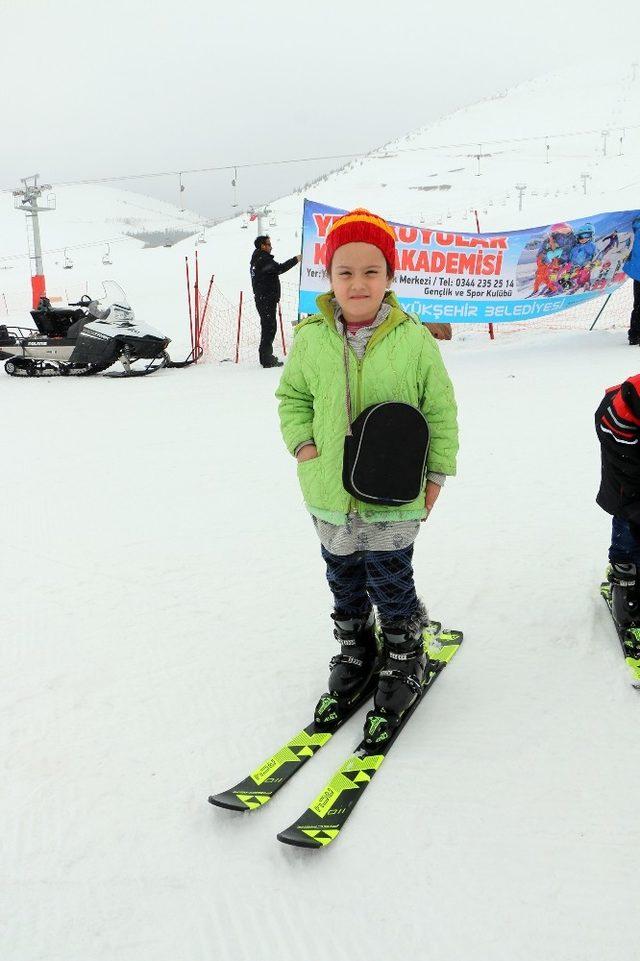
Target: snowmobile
87, 337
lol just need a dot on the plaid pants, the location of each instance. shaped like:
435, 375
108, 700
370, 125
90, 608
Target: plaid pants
383, 578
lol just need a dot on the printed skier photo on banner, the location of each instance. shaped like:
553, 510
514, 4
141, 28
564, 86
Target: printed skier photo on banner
368, 411
617, 422
570, 259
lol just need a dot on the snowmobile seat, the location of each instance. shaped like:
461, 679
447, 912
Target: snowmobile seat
55, 321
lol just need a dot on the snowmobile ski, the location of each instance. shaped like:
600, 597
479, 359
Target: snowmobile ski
323, 821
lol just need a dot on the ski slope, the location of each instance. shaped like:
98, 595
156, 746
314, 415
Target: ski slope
166, 627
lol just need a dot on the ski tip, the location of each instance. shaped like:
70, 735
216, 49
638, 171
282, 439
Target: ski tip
309, 839
238, 801
222, 801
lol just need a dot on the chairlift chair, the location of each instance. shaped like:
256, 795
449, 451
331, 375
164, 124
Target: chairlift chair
106, 258
68, 263
201, 239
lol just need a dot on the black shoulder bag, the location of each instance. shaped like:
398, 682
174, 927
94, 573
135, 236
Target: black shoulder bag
385, 450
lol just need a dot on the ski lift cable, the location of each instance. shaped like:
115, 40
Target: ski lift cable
195, 170
356, 155
60, 250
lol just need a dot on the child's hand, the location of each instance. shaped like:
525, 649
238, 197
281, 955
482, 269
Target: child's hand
308, 452
431, 496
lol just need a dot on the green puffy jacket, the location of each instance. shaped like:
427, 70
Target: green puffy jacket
401, 362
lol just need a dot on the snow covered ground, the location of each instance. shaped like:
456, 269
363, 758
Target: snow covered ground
166, 627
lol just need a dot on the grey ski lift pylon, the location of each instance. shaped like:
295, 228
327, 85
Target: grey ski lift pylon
234, 184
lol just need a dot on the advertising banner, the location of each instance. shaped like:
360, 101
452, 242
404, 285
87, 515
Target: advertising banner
448, 276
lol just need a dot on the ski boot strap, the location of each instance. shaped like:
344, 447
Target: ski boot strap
622, 573
345, 659
412, 682
398, 655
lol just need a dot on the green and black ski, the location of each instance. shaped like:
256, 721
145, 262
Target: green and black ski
324, 819
260, 786
629, 639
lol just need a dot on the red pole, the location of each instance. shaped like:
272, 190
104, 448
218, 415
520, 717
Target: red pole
284, 346
38, 288
491, 335
238, 337
196, 323
186, 259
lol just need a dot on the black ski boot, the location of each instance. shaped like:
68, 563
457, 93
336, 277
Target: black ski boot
400, 680
352, 672
625, 594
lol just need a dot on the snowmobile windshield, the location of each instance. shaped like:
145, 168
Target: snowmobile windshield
113, 295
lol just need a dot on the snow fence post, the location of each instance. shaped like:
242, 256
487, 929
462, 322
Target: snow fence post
239, 320
204, 317
600, 312
284, 346
186, 262
196, 323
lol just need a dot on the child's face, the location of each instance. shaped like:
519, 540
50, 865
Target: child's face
359, 280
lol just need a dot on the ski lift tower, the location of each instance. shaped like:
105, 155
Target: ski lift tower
29, 200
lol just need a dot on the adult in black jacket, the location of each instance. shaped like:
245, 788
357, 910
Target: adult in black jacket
265, 280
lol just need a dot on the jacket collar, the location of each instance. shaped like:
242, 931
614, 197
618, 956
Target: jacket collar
326, 314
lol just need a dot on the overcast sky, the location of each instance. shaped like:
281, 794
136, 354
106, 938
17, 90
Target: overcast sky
94, 89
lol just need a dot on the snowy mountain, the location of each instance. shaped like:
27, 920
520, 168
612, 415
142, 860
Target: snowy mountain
439, 175
433, 175
166, 619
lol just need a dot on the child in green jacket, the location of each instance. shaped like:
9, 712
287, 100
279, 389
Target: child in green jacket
367, 548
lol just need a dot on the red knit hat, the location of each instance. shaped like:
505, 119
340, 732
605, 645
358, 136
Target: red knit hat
361, 226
